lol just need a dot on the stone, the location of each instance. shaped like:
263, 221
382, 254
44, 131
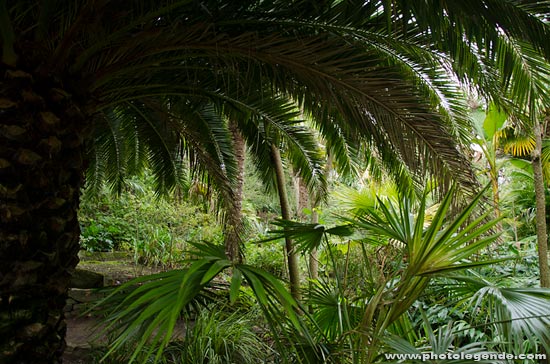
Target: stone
81, 295
82, 278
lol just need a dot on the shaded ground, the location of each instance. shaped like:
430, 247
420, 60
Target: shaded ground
81, 340
117, 268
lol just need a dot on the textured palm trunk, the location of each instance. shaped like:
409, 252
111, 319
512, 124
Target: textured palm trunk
540, 201
292, 257
234, 223
302, 203
41, 172
314, 254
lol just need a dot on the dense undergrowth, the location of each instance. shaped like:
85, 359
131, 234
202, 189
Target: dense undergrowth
395, 276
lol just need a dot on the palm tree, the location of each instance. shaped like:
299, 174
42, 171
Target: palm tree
540, 199
70, 68
346, 328
534, 145
430, 248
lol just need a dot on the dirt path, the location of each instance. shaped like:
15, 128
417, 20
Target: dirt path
81, 338
82, 331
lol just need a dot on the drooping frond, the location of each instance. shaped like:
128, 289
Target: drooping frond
514, 142
266, 119
381, 73
382, 105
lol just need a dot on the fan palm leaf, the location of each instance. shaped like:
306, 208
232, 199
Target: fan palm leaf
517, 314
439, 349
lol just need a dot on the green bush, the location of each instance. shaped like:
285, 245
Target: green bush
267, 256
105, 234
218, 338
155, 229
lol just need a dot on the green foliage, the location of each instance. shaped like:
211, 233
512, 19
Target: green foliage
518, 201
440, 342
407, 254
392, 282
493, 121
156, 229
267, 256
143, 312
105, 234
519, 316
218, 337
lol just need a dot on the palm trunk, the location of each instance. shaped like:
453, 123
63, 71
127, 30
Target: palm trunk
303, 202
496, 197
542, 236
234, 222
292, 257
41, 172
314, 254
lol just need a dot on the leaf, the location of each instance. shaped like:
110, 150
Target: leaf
214, 270
342, 230
236, 282
493, 121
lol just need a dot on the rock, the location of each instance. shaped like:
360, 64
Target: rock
86, 279
78, 296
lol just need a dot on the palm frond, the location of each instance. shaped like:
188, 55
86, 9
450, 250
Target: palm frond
143, 312
440, 347
518, 314
307, 236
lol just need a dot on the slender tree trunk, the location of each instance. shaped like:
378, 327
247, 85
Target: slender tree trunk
496, 196
314, 254
542, 236
303, 202
234, 223
302, 198
41, 172
292, 257
313, 260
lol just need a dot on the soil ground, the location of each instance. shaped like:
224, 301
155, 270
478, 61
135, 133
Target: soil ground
82, 337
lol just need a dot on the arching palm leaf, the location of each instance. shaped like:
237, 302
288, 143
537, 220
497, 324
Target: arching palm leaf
145, 310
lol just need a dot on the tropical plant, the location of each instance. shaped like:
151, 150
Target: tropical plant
143, 312
439, 348
519, 316
355, 323
217, 334
78, 78
346, 325
429, 248
218, 339
155, 229
521, 139
488, 125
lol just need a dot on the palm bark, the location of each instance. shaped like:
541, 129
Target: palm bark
41, 172
302, 203
234, 224
314, 254
292, 257
540, 201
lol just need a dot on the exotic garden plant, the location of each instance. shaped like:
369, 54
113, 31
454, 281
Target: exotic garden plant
334, 323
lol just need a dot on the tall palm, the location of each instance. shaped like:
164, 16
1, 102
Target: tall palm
66, 67
268, 124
